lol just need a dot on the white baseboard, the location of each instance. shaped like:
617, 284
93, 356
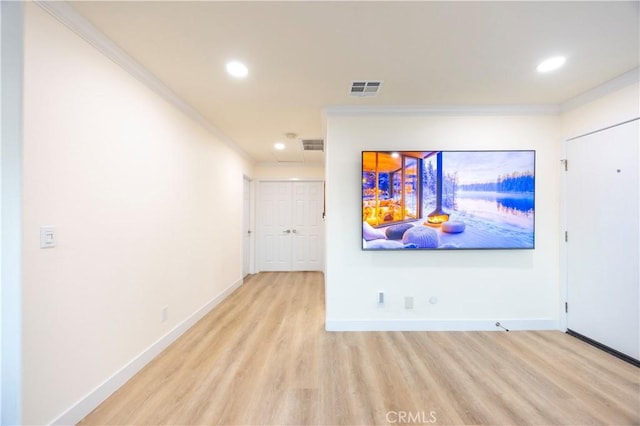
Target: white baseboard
441, 325
94, 398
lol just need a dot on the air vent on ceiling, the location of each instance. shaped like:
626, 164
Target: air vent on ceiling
312, 145
365, 88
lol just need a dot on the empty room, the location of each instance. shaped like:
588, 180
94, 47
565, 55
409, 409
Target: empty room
320, 212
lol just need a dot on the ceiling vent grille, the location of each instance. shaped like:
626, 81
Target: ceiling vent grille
365, 88
312, 145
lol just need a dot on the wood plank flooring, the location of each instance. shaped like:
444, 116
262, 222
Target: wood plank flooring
263, 357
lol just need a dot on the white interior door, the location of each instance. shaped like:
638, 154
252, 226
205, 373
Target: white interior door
603, 252
290, 234
274, 213
307, 226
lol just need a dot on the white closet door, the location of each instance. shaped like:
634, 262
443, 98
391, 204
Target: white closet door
307, 226
603, 223
274, 215
291, 231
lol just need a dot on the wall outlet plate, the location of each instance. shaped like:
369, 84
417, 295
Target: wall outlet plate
408, 302
48, 237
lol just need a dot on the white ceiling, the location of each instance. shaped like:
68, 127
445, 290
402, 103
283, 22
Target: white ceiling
303, 56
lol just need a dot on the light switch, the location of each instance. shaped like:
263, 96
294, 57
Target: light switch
47, 236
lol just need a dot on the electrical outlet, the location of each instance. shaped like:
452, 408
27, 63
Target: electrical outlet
380, 297
48, 237
165, 314
408, 302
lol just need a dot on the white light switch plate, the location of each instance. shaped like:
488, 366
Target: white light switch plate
47, 236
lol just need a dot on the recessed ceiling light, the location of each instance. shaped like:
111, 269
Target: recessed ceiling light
279, 146
237, 69
551, 64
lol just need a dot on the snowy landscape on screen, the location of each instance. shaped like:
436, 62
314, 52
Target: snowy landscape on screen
488, 196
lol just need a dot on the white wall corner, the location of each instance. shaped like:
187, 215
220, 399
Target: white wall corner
628, 78
11, 172
94, 398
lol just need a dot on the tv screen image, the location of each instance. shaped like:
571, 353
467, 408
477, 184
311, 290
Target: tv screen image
448, 200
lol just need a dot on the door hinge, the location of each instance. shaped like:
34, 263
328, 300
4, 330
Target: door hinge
566, 236
565, 163
566, 307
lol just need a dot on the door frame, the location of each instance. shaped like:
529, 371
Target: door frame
251, 207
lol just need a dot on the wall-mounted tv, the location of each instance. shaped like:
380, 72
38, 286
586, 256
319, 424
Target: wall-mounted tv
448, 200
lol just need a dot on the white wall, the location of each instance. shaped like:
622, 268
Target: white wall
147, 206
474, 288
611, 108
300, 171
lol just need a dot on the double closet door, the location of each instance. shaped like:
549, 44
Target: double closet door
290, 226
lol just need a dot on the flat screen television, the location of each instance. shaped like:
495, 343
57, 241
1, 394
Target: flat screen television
448, 200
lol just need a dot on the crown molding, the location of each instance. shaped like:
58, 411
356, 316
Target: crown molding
77, 23
444, 110
606, 88
622, 81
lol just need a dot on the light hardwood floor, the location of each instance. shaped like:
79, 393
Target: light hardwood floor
263, 357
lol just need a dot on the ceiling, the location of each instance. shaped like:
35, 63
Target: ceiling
303, 56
